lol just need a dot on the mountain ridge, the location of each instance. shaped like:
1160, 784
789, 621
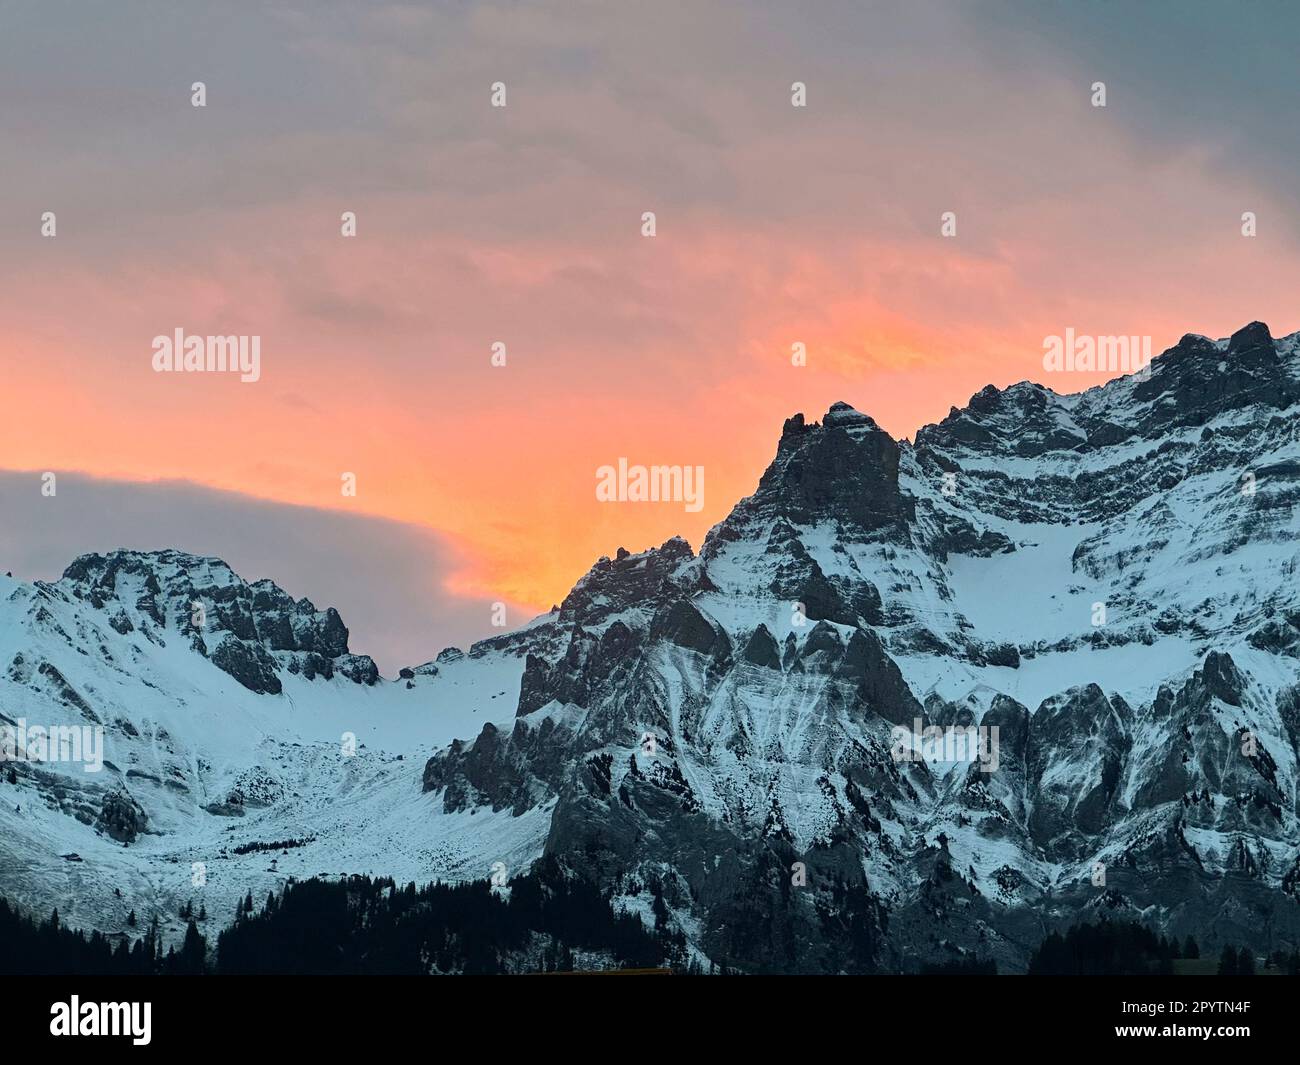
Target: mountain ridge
1095, 576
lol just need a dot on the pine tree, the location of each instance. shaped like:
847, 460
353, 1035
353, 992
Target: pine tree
1246, 962
193, 951
155, 940
1190, 949
1228, 962
660, 910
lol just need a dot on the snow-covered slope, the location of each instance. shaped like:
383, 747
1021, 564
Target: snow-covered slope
1104, 581
253, 726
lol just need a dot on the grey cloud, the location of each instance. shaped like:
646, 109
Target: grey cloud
612, 107
384, 577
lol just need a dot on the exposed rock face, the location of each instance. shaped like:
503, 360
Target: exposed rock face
120, 817
846, 466
762, 649
682, 624
1049, 568
248, 663
251, 631
1095, 731
630, 580
1099, 587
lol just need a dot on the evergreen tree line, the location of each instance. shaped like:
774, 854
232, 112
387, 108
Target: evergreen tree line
373, 926
275, 845
47, 948
365, 926
1242, 962
1126, 948
962, 967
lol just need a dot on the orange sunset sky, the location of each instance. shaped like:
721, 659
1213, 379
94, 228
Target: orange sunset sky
522, 224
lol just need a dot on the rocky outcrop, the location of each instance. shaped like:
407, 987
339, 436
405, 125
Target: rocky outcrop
120, 817
751, 710
255, 632
911, 702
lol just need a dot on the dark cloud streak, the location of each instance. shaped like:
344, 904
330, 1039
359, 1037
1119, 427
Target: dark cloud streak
384, 577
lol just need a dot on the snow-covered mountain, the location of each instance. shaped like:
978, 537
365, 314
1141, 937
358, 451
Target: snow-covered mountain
245, 722
1105, 581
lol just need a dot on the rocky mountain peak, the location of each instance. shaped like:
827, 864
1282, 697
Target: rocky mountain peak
1024, 419
251, 631
842, 416
632, 581
1086, 581
844, 469
1199, 379
1249, 338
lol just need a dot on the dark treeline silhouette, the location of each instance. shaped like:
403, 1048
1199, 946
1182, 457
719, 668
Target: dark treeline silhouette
964, 967
276, 845
1287, 963
1109, 948
1125, 948
1233, 962
366, 926
373, 926
46, 948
